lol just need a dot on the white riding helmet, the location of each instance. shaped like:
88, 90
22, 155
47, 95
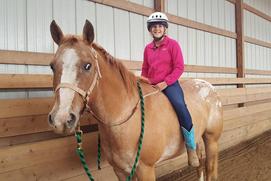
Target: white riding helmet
157, 17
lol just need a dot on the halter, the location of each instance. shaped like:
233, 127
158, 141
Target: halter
84, 94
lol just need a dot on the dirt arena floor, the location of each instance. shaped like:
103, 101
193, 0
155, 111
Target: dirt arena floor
248, 161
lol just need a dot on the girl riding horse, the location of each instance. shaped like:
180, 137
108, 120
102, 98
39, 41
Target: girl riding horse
163, 65
87, 77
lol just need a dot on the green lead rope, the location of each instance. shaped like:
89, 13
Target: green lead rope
141, 133
80, 152
99, 152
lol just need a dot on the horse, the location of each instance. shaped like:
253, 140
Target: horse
86, 76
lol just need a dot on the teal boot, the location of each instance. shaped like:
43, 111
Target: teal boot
189, 137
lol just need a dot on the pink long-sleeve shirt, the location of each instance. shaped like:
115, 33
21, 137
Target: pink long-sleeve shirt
163, 63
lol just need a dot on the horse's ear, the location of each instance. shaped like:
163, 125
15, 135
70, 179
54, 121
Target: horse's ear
88, 32
56, 32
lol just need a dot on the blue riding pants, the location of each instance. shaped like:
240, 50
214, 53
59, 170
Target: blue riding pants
175, 95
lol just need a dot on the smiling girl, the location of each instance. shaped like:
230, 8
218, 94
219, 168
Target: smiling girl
163, 65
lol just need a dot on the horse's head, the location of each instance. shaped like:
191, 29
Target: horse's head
75, 70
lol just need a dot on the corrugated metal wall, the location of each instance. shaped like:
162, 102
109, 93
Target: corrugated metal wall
147, 3
262, 5
258, 57
13, 36
25, 26
203, 48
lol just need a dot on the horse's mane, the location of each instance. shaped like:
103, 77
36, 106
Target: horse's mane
128, 77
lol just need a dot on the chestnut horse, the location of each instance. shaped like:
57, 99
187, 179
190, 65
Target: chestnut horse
86, 76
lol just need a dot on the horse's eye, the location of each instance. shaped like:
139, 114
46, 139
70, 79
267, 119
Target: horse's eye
87, 66
52, 67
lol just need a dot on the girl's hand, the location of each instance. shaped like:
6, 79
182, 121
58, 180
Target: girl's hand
144, 79
161, 86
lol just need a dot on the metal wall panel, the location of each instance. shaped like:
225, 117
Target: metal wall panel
15, 33
208, 12
257, 27
182, 8
215, 16
85, 10
229, 16
64, 13
137, 29
258, 57
29, 31
105, 27
211, 12
203, 48
200, 51
13, 36
261, 5
122, 34
147, 36
191, 10
200, 11
172, 31
13, 25
147, 3
208, 48
39, 16
171, 7
191, 47
221, 14
183, 39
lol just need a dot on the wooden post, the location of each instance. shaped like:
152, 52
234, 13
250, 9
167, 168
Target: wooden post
239, 41
159, 5
240, 38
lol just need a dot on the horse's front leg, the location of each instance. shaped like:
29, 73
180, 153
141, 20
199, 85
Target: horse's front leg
122, 175
145, 173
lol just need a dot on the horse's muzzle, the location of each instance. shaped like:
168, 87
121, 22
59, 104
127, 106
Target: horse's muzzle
62, 123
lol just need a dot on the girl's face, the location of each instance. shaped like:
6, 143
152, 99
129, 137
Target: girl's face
157, 30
